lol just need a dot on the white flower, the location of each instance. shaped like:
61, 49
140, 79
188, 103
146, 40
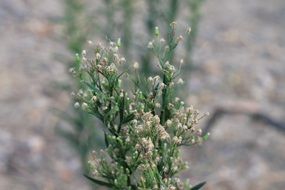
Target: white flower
94, 98
84, 106
162, 133
162, 40
122, 60
115, 49
150, 79
136, 65
180, 38
168, 123
84, 53
98, 56
189, 30
150, 45
177, 140
157, 105
156, 31
180, 81
76, 105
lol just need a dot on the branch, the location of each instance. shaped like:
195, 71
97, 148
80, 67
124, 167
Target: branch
243, 108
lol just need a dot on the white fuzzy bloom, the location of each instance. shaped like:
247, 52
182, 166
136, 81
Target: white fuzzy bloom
162, 85
168, 123
147, 144
171, 68
136, 65
122, 60
157, 105
76, 105
162, 40
180, 81
84, 53
98, 56
112, 43
162, 133
116, 49
72, 70
94, 98
167, 64
150, 45
156, 119
84, 106
156, 31
189, 30
177, 140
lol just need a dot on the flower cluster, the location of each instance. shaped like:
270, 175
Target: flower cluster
145, 124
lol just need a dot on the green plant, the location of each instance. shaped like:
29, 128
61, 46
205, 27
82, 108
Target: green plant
145, 125
84, 137
167, 14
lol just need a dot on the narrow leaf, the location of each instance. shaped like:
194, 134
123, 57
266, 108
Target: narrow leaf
199, 186
128, 118
99, 182
106, 140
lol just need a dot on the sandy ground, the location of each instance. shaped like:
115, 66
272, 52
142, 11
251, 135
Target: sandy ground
239, 58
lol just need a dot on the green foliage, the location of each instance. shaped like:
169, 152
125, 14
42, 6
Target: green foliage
144, 125
84, 136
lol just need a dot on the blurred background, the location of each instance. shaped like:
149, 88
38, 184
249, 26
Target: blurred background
234, 66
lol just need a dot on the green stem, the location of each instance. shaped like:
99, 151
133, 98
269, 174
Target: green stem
172, 12
150, 24
127, 27
110, 24
194, 19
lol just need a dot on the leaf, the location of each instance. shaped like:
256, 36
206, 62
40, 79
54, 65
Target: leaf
206, 137
99, 182
93, 87
128, 118
199, 186
106, 140
122, 108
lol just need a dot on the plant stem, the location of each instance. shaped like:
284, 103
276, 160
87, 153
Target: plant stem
127, 27
194, 18
150, 24
110, 24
